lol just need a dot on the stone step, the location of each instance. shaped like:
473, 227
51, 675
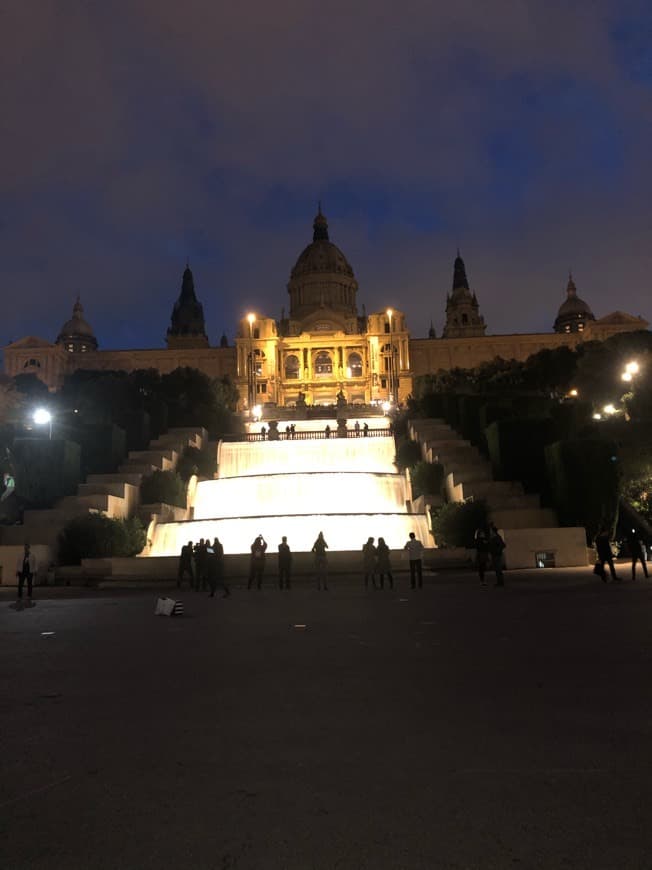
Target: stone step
116, 489
134, 468
116, 477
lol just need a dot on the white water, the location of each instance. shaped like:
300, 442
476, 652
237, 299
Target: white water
347, 488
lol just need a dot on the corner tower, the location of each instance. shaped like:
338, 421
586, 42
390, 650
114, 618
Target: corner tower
463, 319
187, 328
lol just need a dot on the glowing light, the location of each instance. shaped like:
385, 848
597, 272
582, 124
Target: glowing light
632, 368
257, 411
573, 393
390, 313
610, 409
251, 318
42, 417
597, 416
386, 406
627, 376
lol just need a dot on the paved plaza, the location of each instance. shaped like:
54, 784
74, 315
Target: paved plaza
456, 727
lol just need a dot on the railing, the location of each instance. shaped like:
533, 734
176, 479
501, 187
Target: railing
308, 436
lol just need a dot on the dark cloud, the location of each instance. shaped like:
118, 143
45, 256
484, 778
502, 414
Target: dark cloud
136, 134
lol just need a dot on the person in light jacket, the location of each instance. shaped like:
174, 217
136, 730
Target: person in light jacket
26, 568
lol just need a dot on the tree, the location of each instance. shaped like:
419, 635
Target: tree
455, 524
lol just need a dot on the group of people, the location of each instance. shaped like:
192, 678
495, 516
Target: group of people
490, 553
203, 564
635, 549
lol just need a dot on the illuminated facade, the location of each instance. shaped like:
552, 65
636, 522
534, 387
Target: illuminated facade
325, 350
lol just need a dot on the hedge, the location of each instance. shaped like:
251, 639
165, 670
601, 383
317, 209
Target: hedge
46, 470
94, 536
103, 447
584, 479
517, 451
408, 453
455, 524
200, 462
163, 486
427, 478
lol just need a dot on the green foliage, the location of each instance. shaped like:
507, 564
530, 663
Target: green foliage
203, 463
455, 524
427, 478
408, 453
32, 387
584, 479
103, 447
45, 470
163, 486
517, 451
95, 536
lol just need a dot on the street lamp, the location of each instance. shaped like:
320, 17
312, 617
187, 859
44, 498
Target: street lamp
42, 417
252, 382
631, 369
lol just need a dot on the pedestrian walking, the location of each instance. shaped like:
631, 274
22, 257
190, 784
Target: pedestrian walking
284, 563
605, 555
215, 568
415, 555
257, 568
637, 552
481, 539
321, 561
383, 562
369, 563
497, 553
26, 568
185, 565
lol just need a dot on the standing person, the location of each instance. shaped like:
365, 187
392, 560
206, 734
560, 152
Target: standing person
292, 430
605, 555
384, 566
201, 578
482, 552
497, 553
284, 563
258, 549
287, 432
637, 552
415, 554
369, 563
357, 429
185, 565
263, 431
365, 432
215, 568
321, 561
327, 431
26, 567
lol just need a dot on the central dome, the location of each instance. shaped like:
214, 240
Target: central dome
322, 279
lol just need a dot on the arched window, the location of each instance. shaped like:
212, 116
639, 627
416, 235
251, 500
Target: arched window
323, 364
354, 365
292, 366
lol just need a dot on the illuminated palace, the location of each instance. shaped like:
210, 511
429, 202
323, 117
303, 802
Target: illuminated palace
324, 348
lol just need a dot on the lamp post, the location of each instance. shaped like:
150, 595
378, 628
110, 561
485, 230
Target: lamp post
252, 362
42, 417
390, 392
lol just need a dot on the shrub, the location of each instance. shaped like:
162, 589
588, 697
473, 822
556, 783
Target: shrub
585, 482
516, 449
427, 478
455, 524
95, 536
408, 453
163, 486
200, 462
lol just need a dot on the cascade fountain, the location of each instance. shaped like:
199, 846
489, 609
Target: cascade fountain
348, 488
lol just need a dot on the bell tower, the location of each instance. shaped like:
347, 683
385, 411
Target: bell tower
463, 318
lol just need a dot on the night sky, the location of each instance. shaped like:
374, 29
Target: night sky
136, 134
